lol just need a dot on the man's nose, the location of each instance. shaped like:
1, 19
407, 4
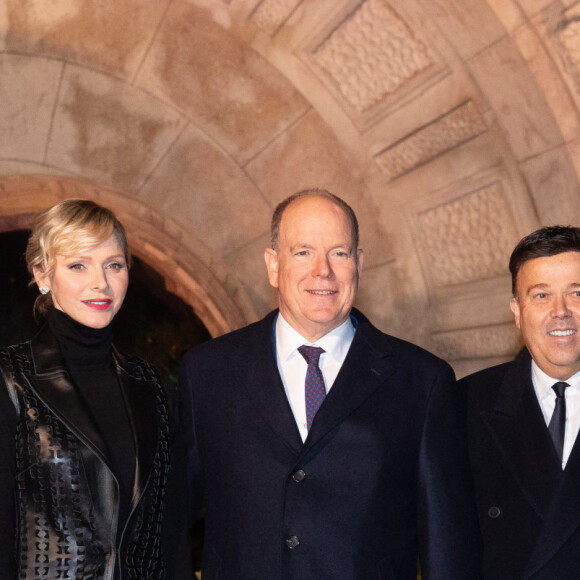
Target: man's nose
561, 307
322, 267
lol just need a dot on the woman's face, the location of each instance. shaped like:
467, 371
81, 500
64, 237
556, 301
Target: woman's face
89, 286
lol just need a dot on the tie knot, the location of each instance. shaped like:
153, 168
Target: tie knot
310, 353
559, 388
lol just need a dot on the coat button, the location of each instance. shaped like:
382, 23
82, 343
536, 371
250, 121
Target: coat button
493, 512
299, 475
292, 542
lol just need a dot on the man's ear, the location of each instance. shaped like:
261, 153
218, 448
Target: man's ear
359, 262
271, 259
515, 307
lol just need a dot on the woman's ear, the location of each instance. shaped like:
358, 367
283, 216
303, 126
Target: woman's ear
42, 280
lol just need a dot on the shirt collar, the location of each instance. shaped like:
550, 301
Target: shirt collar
336, 343
543, 382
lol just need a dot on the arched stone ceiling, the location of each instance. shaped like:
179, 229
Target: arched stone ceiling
451, 126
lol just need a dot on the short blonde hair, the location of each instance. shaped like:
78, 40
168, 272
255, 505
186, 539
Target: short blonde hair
69, 227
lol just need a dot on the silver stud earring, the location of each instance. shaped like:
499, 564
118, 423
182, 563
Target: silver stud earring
43, 290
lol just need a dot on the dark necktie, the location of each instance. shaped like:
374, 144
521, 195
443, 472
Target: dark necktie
557, 426
314, 391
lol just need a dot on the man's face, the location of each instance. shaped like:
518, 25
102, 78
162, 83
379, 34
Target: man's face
547, 312
315, 269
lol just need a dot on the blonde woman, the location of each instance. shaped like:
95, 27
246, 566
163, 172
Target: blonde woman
85, 435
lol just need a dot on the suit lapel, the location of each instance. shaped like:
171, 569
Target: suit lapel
518, 429
367, 365
264, 385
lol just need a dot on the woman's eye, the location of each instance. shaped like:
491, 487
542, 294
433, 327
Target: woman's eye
75, 267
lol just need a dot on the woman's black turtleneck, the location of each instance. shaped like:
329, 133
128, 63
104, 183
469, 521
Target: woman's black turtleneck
88, 357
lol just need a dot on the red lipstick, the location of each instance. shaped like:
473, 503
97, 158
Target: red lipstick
98, 304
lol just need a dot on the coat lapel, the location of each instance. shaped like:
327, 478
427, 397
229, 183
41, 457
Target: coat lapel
264, 385
519, 431
368, 364
563, 518
53, 385
139, 395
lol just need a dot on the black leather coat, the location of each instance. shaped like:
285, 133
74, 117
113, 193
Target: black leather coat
67, 495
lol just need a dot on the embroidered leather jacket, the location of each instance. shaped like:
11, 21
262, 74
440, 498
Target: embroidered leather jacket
66, 494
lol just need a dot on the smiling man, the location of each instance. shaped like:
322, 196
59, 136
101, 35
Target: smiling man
524, 418
329, 450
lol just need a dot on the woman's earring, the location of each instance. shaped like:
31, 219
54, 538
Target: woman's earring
43, 290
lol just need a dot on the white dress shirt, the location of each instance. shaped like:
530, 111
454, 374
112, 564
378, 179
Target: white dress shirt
547, 399
293, 366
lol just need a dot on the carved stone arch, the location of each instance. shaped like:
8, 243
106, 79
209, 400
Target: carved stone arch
197, 277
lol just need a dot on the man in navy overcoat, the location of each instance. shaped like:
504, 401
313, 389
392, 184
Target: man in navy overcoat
359, 489
524, 418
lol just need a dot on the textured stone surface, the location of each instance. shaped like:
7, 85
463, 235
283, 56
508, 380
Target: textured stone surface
467, 239
451, 126
387, 300
532, 7
536, 42
293, 161
243, 106
106, 35
371, 54
472, 343
561, 28
270, 15
27, 102
553, 187
567, 33
470, 25
490, 307
183, 187
250, 260
452, 129
516, 99
508, 12
109, 131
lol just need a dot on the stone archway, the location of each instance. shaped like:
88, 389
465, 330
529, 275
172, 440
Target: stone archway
199, 279
451, 131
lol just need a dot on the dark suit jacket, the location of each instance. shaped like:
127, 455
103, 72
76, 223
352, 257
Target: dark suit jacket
529, 509
382, 477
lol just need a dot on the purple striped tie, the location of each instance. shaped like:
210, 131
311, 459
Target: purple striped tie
314, 391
